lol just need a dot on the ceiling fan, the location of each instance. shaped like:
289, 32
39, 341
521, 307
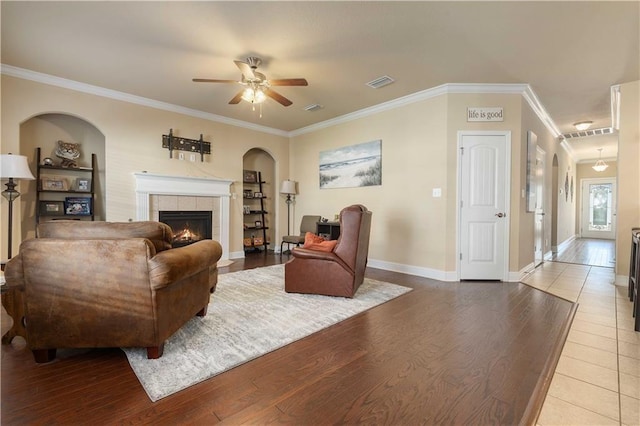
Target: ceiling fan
257, 87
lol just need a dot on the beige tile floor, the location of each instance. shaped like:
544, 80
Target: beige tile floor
597, 379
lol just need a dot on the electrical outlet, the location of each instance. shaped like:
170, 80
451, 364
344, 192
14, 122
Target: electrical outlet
181, 156
192, 158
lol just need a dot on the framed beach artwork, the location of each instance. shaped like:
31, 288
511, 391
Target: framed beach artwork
352, 166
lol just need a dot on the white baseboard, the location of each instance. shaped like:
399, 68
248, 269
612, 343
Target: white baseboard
419, 271
519, 275
236, 255
622, 280
566, 242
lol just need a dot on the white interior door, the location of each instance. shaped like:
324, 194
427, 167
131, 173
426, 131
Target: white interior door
483, 189
598, 215
538, 231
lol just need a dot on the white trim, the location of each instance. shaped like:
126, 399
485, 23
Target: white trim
449, 88
622, 280
133, 99
615, 106
419, 271
236, 255
520, 275
507, 188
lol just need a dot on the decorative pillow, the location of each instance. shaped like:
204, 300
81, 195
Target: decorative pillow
315, 242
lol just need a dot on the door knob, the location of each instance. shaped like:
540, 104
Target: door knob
501, 214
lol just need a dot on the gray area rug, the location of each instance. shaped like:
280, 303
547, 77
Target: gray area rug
250, 315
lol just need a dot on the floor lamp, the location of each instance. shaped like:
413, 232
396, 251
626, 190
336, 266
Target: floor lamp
13, 167
288, 187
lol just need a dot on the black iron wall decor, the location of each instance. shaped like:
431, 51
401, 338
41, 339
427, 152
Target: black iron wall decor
174, 143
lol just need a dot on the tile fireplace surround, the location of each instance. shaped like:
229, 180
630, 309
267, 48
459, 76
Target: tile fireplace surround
155, 192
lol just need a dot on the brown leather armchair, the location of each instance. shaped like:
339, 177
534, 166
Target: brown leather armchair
101, 284
336, 273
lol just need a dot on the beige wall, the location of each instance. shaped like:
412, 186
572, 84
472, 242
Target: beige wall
628, 174
419, 153
409, 225
133, 136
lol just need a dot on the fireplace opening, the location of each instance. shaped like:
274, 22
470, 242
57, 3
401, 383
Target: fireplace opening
188, 226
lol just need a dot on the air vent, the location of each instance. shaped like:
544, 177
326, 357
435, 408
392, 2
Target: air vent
312, 107
587, 133
380, 82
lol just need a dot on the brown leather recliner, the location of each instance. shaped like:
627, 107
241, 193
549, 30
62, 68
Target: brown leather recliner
336, 273
105, 284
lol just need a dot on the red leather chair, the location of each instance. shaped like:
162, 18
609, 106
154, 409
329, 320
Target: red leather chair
336, 273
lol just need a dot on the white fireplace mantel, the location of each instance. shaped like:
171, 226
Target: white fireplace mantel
148, 184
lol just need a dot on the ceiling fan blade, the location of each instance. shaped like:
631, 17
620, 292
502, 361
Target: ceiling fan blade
245, 69
211, 80
277, 97
237, 98
289, 82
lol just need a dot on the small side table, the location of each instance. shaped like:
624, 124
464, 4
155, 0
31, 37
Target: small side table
12, 300
329, 230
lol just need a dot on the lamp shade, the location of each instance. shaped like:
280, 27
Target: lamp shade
288, 187
15, 166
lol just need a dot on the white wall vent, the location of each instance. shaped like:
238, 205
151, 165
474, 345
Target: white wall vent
587, 133
380, 82
312, 107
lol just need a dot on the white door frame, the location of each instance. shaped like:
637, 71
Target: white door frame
507, 182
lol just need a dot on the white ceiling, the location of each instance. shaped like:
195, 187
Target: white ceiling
570, 53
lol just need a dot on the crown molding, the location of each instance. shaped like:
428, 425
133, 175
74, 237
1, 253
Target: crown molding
450, 88
126, 97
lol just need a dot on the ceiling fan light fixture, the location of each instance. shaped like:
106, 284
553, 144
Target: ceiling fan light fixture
583, 125
254, 95
600, 165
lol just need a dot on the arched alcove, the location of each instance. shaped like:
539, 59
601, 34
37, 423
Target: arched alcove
44, 131
259, 160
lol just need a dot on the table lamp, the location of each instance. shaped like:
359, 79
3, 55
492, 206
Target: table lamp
13, 167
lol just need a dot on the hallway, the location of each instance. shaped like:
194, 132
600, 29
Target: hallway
597, 380
587, 251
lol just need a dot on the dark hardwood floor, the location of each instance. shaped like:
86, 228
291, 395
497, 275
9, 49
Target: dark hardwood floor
446, 353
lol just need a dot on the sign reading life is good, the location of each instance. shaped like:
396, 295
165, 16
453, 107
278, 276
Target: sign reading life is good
485, 114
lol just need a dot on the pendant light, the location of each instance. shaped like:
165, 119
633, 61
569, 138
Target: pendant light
600, 165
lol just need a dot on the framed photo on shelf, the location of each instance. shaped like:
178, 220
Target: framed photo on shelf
258, 223
83, 185
257, 195
54, 184
77, 206
247, 193
250, 176
258, 241
51, 208
246, 209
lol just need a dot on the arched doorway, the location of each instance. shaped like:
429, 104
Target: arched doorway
258, 211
